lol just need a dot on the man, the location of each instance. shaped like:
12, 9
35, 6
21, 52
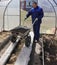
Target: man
36, 12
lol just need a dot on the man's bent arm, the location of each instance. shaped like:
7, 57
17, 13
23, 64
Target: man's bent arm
28, 14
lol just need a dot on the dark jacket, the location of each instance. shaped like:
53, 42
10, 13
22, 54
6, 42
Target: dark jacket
36, 13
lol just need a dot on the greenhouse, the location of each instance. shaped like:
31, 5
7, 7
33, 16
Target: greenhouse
11, 10
20, 42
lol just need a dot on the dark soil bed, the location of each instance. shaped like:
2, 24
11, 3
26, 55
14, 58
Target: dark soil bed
50, 50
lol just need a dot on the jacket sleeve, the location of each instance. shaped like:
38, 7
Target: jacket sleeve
29, 13
41, 14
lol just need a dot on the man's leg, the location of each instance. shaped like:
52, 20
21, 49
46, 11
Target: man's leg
36, 29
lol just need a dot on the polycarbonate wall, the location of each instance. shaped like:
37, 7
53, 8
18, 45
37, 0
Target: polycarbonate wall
49, 20
12, 15
2, 8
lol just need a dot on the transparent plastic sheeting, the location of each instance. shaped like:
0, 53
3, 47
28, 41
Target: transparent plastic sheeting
46, 5
2, 7
49, 21
12, 14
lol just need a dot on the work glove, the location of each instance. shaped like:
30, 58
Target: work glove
25, 18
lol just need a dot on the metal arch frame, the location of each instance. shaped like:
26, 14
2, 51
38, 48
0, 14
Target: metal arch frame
55, 2
55, 15
4, 13
55, 31
20, 12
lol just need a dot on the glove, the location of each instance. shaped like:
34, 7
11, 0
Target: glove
25, 18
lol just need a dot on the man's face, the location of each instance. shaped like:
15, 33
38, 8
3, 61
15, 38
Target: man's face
34, 5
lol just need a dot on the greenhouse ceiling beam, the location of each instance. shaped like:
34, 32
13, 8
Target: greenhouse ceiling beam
55, 2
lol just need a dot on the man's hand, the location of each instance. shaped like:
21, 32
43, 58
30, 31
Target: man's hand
25, 18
